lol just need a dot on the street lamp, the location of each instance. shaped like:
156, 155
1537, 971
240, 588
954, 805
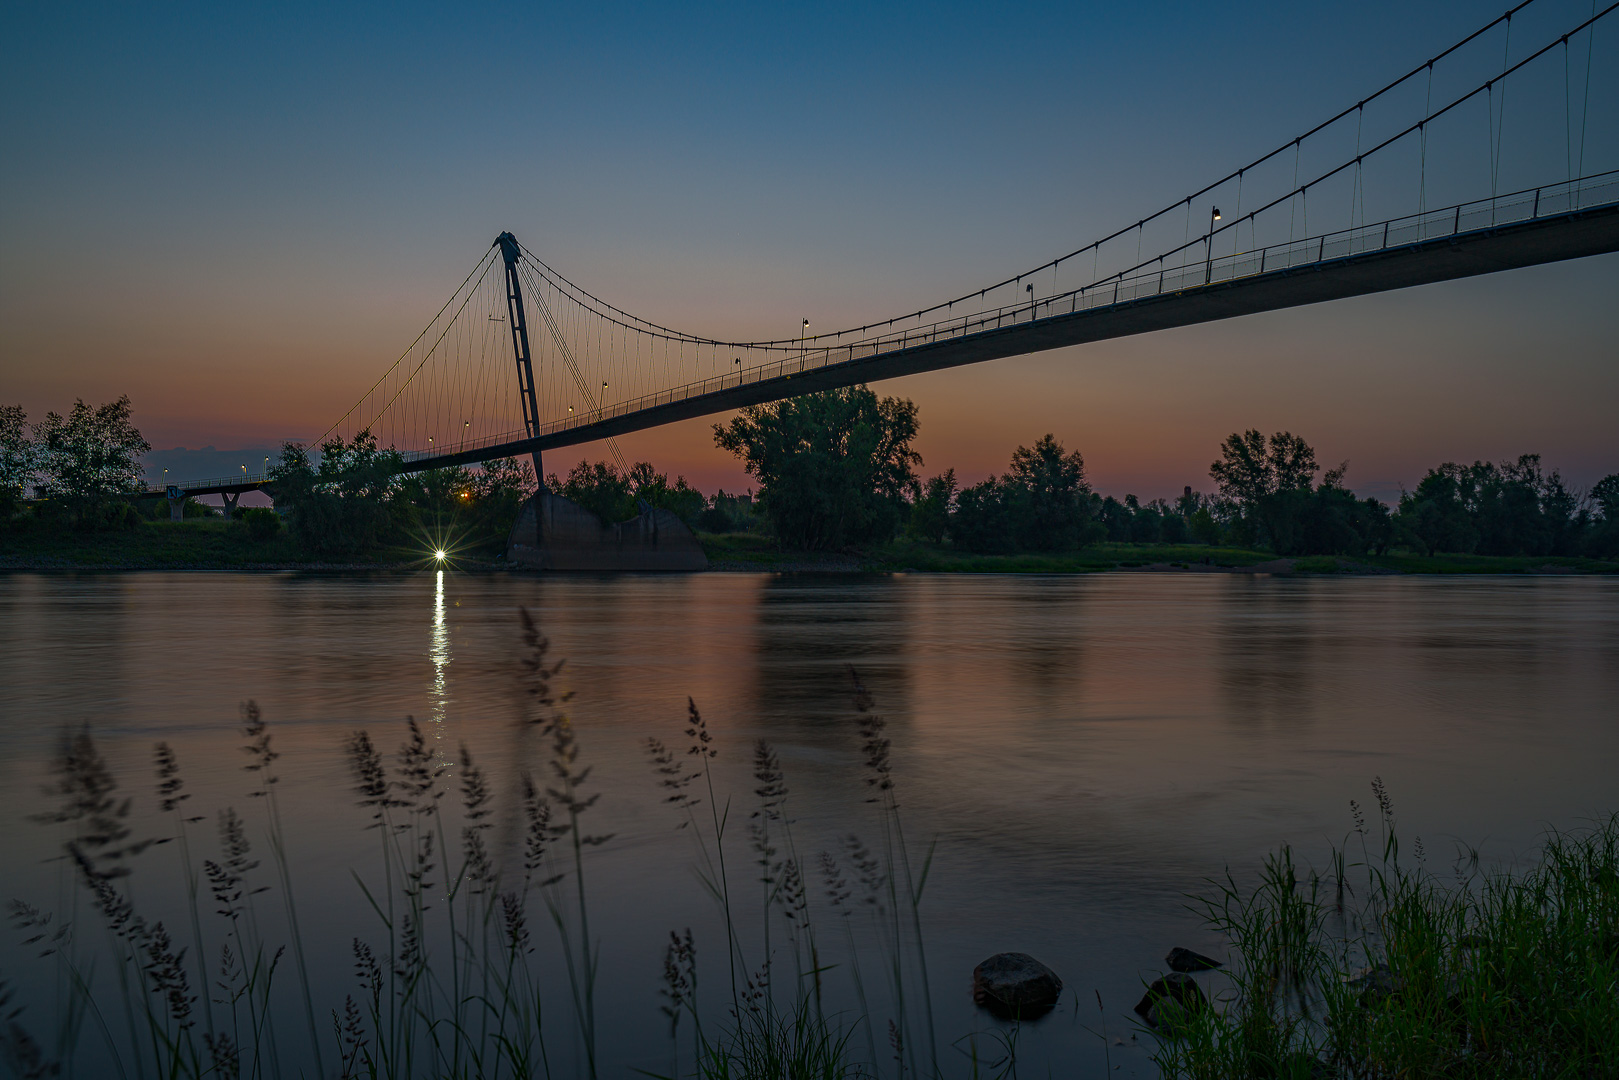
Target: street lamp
1029, 288
803, 332
1208, 245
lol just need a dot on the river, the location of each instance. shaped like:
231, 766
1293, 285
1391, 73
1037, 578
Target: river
1084, 751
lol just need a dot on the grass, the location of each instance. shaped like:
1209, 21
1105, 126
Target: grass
446, 980
1384, 968
760, 552
193, 544
217, 544
1407, 563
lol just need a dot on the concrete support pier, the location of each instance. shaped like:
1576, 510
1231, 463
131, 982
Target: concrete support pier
553, 533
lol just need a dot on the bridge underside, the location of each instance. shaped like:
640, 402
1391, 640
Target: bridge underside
1592, 231
1486, 251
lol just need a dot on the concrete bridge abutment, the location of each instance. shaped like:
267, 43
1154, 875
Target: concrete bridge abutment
554, 533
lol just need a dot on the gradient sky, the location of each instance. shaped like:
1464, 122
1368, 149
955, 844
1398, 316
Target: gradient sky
239, 216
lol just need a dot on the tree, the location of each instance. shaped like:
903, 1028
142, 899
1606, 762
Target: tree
87, 460
834, 468
930, 513
19, 458
91, 453
1054, 496
1270, 481
1043, 503
1510, 508
1603, 540
1250, 469
1606, 495
613, 495
345, 503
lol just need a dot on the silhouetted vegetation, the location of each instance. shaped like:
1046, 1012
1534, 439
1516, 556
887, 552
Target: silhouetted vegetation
616, 495
353, 498
834, 468
1042, 503
1268, 498
82, 466
1383, 968
837, 474
447, 980
1511, 508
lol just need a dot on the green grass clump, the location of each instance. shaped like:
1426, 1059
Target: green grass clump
1409, 563
192, 544
1384, 969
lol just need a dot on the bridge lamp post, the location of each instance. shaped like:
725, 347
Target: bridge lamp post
803, 332
1208, 245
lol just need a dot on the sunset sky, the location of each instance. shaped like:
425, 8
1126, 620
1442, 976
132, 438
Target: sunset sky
239, 216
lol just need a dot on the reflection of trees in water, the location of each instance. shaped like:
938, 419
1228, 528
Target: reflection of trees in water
810, 630
1045, 658
1269, 650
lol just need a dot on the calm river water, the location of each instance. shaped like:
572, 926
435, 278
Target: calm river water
1086, 750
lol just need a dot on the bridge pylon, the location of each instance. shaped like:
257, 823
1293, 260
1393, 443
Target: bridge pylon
517, 317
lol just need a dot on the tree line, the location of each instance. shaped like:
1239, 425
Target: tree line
837, 469
834, 470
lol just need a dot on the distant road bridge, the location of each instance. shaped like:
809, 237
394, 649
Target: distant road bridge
521, 360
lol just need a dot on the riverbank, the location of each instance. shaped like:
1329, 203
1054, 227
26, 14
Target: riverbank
749, 553
216, 544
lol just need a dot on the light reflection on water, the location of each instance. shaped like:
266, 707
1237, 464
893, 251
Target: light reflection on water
439, 653
1087, 750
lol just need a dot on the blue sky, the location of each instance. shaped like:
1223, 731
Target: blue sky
238, 215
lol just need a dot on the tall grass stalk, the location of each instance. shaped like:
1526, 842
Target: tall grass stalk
1494, 974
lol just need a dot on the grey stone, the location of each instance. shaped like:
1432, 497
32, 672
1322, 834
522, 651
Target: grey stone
1176, 994
1015, 985
1185, 960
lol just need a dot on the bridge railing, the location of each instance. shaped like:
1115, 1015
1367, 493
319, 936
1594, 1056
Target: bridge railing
1481, 214
1129, 287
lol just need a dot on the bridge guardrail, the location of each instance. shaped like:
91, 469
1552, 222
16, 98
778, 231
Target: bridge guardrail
1129, 286
1547, 200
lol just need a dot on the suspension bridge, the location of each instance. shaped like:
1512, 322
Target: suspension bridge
1500, 152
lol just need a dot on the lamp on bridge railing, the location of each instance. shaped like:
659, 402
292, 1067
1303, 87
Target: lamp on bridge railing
1208, 245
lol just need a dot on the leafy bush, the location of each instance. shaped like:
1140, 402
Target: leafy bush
262, 523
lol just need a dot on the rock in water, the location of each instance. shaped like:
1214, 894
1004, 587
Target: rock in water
1186, 960
1015, 984
1174, 994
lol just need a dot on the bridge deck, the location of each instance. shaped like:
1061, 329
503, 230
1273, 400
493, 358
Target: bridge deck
1592, 231
1240, 284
